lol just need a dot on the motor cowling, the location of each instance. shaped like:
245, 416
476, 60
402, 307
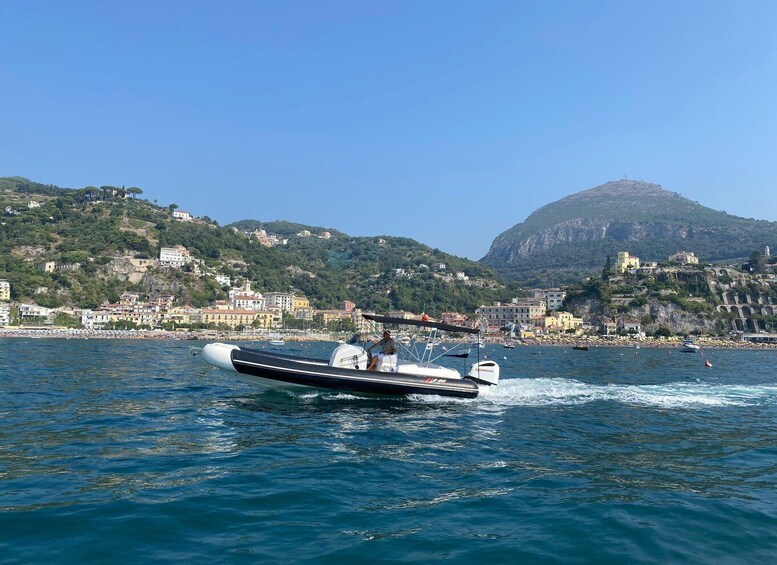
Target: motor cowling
484, 372
349, 356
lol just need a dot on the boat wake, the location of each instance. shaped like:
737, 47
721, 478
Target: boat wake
562, 391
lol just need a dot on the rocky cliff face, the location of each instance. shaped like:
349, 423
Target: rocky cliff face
653, 315
584, 230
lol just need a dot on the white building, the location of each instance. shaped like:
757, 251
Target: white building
32, 204
5, 291
182, 215
523, 311
30, 311
5, 314
554, 297
224, 280
177, 256
632, 327
95, 319
282, 300
245, 291
253, 302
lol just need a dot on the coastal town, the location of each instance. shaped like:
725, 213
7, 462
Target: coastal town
538, 316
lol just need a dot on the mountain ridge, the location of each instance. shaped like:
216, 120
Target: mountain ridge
574, 234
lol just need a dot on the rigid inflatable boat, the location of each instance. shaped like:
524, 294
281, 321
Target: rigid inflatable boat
346, 369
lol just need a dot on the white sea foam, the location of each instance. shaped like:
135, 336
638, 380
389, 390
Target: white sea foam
562, 391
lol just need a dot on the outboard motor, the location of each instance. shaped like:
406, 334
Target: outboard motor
348, 356
484, 372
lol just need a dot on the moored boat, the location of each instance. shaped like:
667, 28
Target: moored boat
688, 346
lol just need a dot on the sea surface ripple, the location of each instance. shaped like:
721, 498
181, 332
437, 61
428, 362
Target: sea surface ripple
135, 451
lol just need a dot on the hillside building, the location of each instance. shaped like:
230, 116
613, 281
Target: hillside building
562, 322
347, 305
253, 302
269, 240
5, 291
632, 327
684, 258
626, 262
299, 302
280, 300
34, 313
554, 297
182, 216
175, 257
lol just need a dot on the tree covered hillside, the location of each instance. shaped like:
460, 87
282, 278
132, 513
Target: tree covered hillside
91, 234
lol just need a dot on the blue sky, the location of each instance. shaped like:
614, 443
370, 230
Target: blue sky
447, 122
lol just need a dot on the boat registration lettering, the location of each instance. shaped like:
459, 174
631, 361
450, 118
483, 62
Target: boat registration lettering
433, 380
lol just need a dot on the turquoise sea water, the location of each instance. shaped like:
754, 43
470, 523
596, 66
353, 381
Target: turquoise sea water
136, 452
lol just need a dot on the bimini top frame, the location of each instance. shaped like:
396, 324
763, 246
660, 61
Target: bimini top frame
425, 355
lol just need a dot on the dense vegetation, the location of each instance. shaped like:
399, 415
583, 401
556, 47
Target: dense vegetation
93, 226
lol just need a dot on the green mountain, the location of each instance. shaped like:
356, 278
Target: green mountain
570, 238
103, 242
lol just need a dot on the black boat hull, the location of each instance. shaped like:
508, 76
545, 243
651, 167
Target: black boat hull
318, 374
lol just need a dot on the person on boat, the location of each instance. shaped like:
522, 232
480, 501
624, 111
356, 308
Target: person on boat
388, 348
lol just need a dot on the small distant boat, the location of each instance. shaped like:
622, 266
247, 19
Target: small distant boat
277, 342
580, 347
509, 345
688, 346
